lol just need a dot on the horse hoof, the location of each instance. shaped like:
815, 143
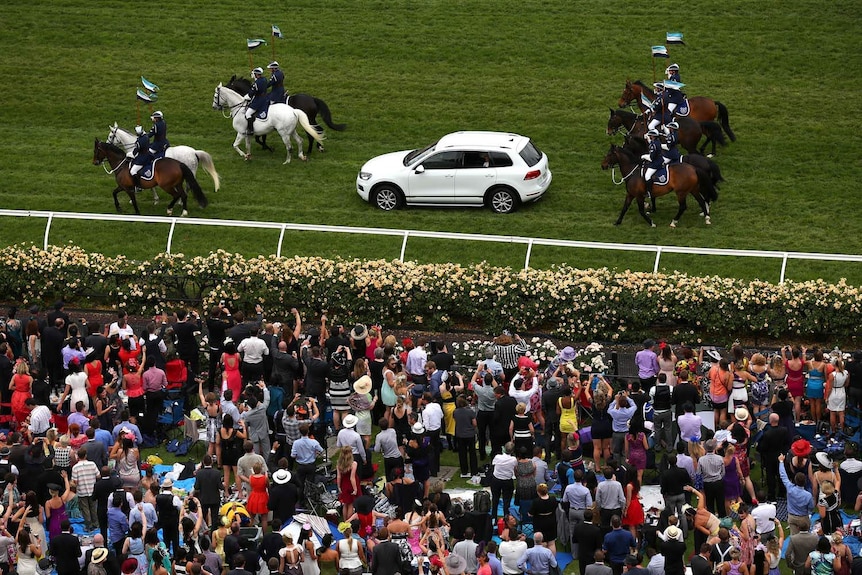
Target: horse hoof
170, 212
652, 225
707, 221
673, 224
247, 157
710, 155
701, 214
155, 202
185, 213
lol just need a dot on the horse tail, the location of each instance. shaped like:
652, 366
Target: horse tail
713, 132
207, 162
327, 116
306, 125
189, 176
707, 189
715, 173
725, 120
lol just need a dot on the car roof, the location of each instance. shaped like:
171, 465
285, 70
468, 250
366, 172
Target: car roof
482, 139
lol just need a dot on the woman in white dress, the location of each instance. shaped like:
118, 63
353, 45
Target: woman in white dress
76, 386
309, 555
836, 396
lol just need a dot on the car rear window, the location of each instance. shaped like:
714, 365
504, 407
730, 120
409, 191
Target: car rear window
531, 154
501, 160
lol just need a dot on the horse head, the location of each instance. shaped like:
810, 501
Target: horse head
614, 123
611, 158
112, 133
99, 154
628, 95
217, 104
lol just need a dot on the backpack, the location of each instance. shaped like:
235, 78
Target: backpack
482, 502
647, 410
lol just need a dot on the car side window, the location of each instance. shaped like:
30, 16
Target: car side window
443, 161
477, 160
500, 160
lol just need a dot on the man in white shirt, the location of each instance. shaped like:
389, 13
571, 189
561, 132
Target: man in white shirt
122, 328
253, 349
431, 416
510, 552
764, 517
526, 378
415, 366
348, 437
39, 420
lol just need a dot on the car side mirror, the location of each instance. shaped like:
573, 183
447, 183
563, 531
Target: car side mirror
420, 169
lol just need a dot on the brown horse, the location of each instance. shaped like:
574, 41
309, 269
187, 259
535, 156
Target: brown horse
701, 108
169, 175
683, 179
690, 131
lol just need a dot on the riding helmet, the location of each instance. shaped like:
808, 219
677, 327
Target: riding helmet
157, 114
652, 132
273, 65
139, 130
257, 70
672, 68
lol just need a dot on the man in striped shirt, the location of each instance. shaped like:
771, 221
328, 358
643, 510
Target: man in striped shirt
84, 474
711, 466
507, 351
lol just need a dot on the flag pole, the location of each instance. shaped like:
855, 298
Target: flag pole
272, 39
250, 65
137, 110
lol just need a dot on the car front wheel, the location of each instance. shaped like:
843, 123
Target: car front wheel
502, 200
388, 198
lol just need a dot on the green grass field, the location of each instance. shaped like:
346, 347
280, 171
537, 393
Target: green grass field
404, 73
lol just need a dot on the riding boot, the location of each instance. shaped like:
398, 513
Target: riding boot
136, 181
251, 126
649, 190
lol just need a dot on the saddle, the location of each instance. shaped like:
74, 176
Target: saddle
148, 172
682, 109
659, 178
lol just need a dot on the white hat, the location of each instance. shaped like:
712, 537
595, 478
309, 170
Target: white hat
418, 428
673, 532
157, 114
362, 385
99, 554
273, 64
281, 476
350, 421
257, 70
823, 459
167, 484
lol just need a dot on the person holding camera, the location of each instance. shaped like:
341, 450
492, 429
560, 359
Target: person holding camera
219, 321
28, 549
621, 411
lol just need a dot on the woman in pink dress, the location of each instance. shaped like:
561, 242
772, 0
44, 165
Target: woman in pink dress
231, 378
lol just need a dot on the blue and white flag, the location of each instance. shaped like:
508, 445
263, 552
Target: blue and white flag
645, 101
276, 32
673, 85
145, 96
149, 85
253, 43
675, 38
659, 52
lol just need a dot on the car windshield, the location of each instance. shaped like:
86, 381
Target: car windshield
531, 154
408, 159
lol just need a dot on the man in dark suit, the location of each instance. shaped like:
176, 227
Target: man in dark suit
97, 452
66, 549
283, 495
186, 328
112, 564
386, 556
52, 355
588, 538
504, 414
105, 486
207, 484
59, 312
774, 442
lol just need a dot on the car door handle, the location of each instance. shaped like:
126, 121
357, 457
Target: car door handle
489, 175
450, 175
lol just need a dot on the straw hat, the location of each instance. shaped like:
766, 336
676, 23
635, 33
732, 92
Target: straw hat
350, 421
100, 554
673, 532
362, 385
281, 476
741, 414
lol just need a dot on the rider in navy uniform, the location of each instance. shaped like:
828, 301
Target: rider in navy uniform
672, 73
661, 115
670, 152
676, 102
259, 99
158, 135
140, 156
653, 158
276, 83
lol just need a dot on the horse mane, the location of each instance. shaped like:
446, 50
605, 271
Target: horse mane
113, 148
628, 153
642, 85
623, 113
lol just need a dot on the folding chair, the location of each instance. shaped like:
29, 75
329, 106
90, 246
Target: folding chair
193, 434
319, 499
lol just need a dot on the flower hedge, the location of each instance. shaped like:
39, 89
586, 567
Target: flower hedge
576, 304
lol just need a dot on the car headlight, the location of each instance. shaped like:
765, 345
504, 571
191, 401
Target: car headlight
364, 175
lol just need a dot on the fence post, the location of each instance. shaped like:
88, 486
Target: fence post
529, 252
657, 258
47, 230
280, 240
783, 268
171, 234
403, 246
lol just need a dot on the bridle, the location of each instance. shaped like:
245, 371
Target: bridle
231, 112
624, 178
105, 157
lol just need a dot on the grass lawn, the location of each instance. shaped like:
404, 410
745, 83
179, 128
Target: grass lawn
401, 74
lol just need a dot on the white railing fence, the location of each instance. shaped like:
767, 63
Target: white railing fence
406, 234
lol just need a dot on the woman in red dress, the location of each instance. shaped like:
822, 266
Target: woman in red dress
93, 369
231, 377
258, 499
21, 386
347, 480
633, 514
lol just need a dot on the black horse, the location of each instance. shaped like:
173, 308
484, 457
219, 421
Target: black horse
308, 104
690, 131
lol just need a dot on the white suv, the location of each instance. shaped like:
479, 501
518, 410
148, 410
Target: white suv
496, 169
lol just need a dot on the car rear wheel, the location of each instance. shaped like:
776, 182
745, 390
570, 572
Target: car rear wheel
388, 198
502, 200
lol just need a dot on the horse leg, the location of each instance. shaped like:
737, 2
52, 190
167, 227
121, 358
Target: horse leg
298, 139
239, 138
285, 137
642, 210
626, 204
682, 208
184, 197
704, 208
117, 190
262, 141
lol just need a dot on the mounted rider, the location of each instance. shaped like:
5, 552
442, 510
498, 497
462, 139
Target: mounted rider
661, 114
140, 156
653, 159
670, 152
677, 104
672, 73
158, 135
276, 84
259, 101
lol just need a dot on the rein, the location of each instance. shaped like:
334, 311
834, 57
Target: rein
626, 177
231, 112
107, 171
